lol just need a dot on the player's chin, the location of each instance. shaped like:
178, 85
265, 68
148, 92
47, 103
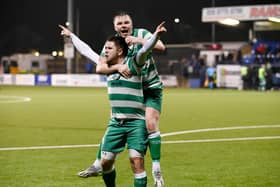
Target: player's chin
124, 34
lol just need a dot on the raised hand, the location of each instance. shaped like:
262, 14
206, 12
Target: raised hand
64, 31
130, 40
160, 28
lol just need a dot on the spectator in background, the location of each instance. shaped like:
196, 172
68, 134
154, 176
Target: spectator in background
277, 58
260, 49
244, 77
177, 70
269, 75
277, 49
250, 76
202, 72
276, 54
262, 77
193, 66
255, 80
184, 62
239, 56
210, 76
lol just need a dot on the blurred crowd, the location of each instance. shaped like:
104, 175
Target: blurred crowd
195, 67
263, 53
260, 69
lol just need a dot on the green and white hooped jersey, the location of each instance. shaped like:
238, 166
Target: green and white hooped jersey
126, 95
151, 79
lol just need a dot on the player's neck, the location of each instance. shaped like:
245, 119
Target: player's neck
120, 60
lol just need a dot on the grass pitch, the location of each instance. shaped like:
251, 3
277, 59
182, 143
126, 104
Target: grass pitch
78, 116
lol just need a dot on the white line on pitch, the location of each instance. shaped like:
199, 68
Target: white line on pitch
169, 134
47, 147
223, 140
13, 99
219, 129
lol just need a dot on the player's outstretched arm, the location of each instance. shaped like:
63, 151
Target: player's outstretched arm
139, 40
148, 46
81, 46
65, 31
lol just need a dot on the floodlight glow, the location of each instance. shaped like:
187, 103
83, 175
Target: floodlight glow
176, 20
274, 19
37, 53
54, 53
229, 21
60, 53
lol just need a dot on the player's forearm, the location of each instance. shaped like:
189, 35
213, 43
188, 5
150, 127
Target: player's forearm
104, 68
84, 49
146, 48
159, 46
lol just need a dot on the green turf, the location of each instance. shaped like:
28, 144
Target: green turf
77, 116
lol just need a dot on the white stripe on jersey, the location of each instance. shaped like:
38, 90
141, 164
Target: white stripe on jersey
147, 35
134, 78
128, 116
140, 33
125, 103
121, 90
150, 75
153, 85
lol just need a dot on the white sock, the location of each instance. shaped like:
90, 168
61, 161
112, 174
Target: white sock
140, 175
97, 164
156, 166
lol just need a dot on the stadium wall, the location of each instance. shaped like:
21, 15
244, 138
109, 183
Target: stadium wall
71, 80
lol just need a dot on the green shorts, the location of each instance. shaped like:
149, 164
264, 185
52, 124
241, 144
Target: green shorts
153, 98
132, 132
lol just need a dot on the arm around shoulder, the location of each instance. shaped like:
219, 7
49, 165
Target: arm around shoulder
103, 68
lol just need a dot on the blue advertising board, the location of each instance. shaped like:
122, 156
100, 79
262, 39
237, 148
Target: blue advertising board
43, 80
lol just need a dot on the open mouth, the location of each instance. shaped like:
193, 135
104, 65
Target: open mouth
124, 32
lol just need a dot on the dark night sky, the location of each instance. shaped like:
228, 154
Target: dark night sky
32, 24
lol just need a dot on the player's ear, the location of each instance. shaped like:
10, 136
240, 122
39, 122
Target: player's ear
120, 52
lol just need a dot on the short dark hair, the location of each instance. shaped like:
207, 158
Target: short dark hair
121, 13
119, 42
